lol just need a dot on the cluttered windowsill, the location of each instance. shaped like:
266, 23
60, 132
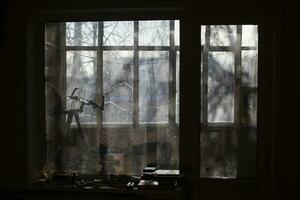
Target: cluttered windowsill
151, 179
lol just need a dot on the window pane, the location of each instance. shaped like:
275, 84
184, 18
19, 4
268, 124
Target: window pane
129, 151
220, 87
222, 35
153, 86
81, 74
82, 33
249, 68
218, 154
118, 86
226, 154
229, 92
118, 33
154, 33
249, 35
246, 152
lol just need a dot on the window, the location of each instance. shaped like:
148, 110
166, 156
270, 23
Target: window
229, 101
112, 96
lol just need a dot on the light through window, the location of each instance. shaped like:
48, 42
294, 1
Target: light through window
112, 96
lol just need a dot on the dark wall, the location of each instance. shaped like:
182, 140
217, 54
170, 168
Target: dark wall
13, 53
13, 98
288, 93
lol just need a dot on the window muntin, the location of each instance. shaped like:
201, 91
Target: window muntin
133, 64
228, 101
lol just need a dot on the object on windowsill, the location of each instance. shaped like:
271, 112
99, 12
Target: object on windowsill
149, 173
162, 179
147, 184
134, 180
159, 179
43, 176
119, 180
63, 178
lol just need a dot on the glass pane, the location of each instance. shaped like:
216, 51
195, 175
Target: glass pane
82, 33
154, 33
177, 33
81, 74
228, 142
118, 33
249, 68
218, 154
153, 86
246, 152
129, 152
249, 35
70, 145
221, 87
226, 154
222, 35
118, 86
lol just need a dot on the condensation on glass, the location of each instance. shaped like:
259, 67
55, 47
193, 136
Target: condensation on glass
229, 55
129, 67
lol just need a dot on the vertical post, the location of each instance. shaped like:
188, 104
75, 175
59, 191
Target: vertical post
62, 89
190, 103
238, 76
172, 129
204, 77
99, 85
237, 93
63, 68
99, 79
204, 89
136, 76
172, 77
136, 131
